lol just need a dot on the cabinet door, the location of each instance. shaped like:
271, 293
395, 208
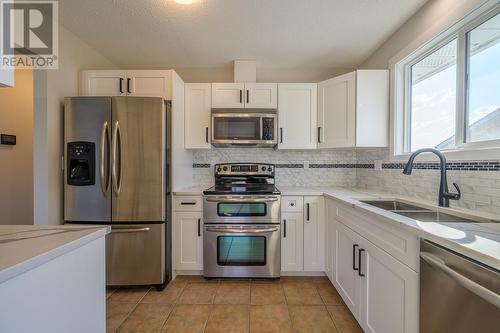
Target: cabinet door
292, 242
314, 234
372, 108
228, 95
337, 112
103, 83
389, 293
198, 102
261, 95
188, 241
149, 83
297, 113
345, 277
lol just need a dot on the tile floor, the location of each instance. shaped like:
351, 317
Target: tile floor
193, 304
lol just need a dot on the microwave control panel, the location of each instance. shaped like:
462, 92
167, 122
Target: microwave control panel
268, 129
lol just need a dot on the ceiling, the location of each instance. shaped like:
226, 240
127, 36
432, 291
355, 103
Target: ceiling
211, 33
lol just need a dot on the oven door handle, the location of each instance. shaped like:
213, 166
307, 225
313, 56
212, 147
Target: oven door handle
241, 231
242, 200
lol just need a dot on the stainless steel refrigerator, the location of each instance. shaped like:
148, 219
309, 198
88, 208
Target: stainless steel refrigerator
116, 166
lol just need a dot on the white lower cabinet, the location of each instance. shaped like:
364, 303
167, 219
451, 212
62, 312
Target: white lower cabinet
314, 234
187, 236
292, 241
381, 291
303, 234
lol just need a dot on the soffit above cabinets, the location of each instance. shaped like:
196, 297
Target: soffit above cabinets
281, 34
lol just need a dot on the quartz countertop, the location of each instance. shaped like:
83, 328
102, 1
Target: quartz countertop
24, 247
193, 190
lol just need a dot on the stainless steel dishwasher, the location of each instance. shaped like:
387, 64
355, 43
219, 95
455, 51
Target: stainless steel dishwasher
457, 294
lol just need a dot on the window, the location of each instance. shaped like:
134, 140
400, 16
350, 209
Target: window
450, 90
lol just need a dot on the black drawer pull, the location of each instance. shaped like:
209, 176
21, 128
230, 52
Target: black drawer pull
360, 255
241, 96
188, 203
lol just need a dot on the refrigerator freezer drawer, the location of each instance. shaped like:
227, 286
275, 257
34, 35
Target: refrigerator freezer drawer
135, 254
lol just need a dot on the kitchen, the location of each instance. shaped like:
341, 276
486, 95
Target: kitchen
290, 169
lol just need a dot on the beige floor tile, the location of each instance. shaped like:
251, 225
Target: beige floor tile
270, 319
198, 293
233, 293
311, 319
329, 294
128, 294
303, 279
343, 319
168, 295
194, 279
302, 293
116, 313
267, 294
146, 318
187, 319
266, 281
228, 319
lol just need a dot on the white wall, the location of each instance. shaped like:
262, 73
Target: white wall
51, 87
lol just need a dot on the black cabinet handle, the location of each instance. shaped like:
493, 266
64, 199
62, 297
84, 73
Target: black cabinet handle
241, 96
360, 255
307, 212
199, 227
206, 134
354, 246
121, 85
281, 134
248, 96
128, 85
284, 228
319, 134
188, 203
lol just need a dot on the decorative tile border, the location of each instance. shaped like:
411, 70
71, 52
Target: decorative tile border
459, 166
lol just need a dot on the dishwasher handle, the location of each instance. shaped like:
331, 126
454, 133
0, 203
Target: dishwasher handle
482, 292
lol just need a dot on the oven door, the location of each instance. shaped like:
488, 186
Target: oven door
241, 251
241, 209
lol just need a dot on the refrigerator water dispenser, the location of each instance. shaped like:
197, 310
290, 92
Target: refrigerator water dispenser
81, 163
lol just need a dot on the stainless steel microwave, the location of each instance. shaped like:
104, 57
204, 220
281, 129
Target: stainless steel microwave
237, 127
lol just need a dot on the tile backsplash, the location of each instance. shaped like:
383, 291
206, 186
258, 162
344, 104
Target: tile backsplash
293, 168
479, 181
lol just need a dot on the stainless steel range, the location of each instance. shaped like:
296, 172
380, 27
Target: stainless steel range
241, 216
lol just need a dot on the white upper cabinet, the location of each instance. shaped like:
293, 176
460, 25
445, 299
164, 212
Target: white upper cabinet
103, 83
6, 78
261, 95
228, 95
197, 115
149, 83
139, 83
244, 95
353, 110
297, 110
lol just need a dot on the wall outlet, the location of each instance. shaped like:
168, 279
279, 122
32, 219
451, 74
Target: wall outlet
306, 164
377, 165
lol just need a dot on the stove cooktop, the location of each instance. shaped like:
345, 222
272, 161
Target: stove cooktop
242, 189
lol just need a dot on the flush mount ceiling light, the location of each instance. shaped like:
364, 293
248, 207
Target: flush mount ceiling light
185, 2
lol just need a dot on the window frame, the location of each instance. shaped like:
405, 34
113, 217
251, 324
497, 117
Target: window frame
401, 90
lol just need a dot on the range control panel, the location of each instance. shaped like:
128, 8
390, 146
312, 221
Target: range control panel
244, 169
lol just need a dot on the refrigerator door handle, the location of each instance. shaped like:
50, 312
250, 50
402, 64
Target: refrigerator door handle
104, 169
117, 150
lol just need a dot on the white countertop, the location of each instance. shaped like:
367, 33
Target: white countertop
24, 247
479, 241
193, 190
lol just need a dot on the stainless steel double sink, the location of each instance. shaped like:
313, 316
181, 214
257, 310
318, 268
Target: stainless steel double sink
423, 214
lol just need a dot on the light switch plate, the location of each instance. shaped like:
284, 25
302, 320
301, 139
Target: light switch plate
377, 165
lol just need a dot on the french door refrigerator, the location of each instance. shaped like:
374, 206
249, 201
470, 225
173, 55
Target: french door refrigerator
116, 167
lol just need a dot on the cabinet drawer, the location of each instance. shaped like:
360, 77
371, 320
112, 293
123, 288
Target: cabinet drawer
188, 203
292, 203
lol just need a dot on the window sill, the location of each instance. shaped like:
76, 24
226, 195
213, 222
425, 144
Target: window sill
476, 154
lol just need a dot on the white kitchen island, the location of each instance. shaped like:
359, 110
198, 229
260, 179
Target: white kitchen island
52, 279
